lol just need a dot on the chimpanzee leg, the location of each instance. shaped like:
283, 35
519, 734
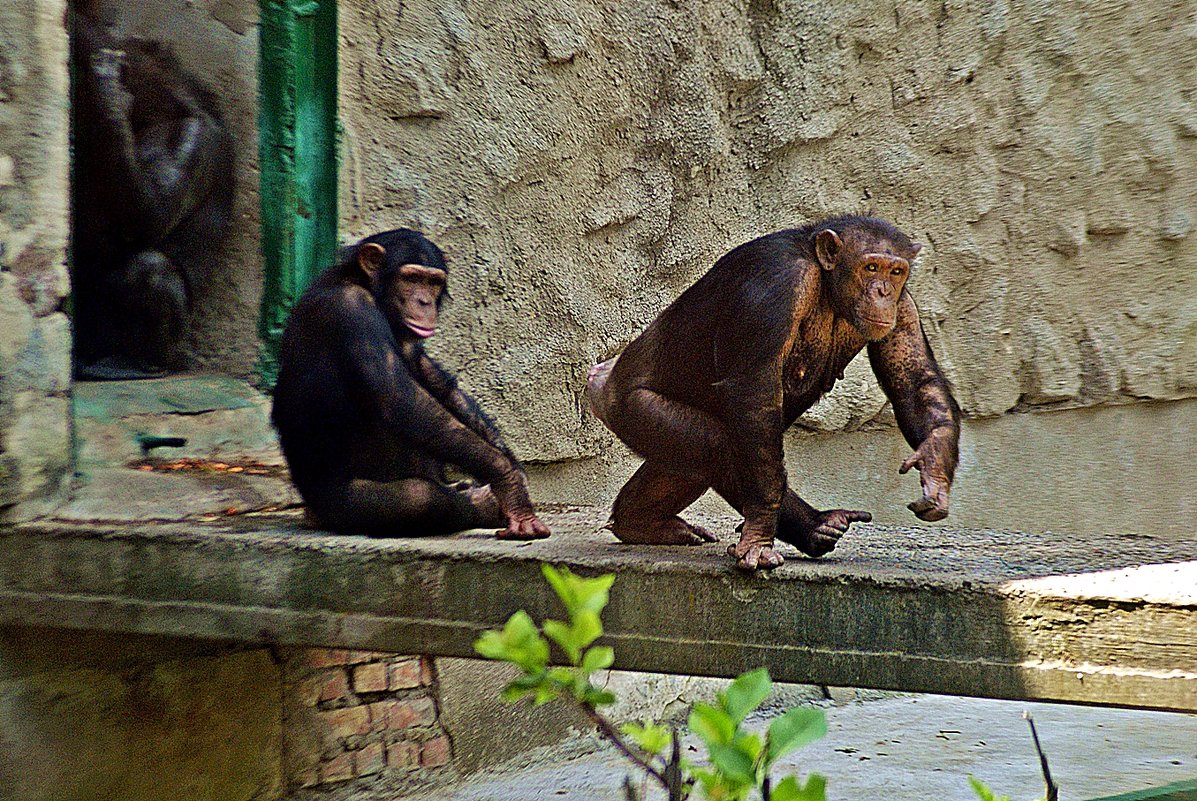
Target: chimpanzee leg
645, 511
409, 507
813, 532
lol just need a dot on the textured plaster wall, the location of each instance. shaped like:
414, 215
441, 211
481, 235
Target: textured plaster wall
88, 715
583, 162
35, 345
217, 41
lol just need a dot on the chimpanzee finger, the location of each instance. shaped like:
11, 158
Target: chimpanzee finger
914, 460
859, 517
702, 535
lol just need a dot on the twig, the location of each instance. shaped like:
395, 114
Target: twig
611, 733
1053, 792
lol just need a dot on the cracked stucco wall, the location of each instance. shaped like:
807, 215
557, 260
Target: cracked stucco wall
581, 163
35, 344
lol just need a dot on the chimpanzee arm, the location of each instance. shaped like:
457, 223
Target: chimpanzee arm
443, 386
926, 412
379, 377
754, 354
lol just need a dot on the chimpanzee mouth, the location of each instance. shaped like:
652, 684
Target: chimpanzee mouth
419, 330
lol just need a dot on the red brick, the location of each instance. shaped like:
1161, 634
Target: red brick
403, 755
405, 674
370, 678
369, 760
337, 769
334, 685
411, 712
347, 722
435, 753
327, 657
427, 673
308, 690
367, 656
380, 713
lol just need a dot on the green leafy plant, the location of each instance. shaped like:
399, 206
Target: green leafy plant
740, 762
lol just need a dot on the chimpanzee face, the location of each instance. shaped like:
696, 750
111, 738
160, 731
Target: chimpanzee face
867, 278
412, 299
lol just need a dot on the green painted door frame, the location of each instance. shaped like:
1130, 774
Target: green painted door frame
297, 140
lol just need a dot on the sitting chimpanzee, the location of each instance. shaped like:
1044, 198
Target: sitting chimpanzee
368, 420
705, 393
152, 198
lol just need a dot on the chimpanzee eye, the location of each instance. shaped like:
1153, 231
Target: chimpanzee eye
871, 267
897, 273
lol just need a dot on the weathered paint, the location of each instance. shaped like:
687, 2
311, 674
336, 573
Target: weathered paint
297, 123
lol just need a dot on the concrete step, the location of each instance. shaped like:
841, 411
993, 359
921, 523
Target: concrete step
1106, 620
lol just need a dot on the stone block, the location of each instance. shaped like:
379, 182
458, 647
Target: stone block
403, 755
411, 712
337, 769
435, 753
334, 686
348, 722
370, 759
406, 674
370, 678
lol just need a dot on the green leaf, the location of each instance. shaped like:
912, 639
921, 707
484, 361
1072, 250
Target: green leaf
510, 694
711, 724
652, 738
790, 789
794, 729
562, 676
983, 792
587, 628
733, 763
596, 697
579, 594
600, 657
746, 693
492, 646
750, 744
564, 636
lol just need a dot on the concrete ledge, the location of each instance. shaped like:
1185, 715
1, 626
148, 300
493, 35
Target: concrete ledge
1104, 620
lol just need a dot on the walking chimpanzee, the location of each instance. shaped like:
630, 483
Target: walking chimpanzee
707, 390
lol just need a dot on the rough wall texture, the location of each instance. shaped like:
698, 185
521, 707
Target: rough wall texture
217, 41
87, 715
35, 345
583, 162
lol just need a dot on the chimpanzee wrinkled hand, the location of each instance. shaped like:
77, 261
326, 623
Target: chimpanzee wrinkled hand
932, 459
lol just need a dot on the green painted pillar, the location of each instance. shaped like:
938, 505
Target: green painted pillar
297, 123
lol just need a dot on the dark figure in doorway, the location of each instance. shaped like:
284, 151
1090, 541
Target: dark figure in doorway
705, 393
368, 420
152, 198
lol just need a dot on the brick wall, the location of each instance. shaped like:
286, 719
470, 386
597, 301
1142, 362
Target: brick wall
355, 717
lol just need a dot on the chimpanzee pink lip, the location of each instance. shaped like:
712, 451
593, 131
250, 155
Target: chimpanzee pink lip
419, 330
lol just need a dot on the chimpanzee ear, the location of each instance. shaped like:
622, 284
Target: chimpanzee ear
827, 248
370, 257
915, 249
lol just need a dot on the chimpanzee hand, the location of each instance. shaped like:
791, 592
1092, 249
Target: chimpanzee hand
931, 459
755, 550
522, 522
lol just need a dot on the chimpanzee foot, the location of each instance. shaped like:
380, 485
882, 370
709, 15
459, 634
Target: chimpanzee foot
670, 531
825, 534
755, 554
524, 527
490, 513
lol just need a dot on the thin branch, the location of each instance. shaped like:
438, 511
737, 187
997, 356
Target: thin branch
1053, 792
611, 733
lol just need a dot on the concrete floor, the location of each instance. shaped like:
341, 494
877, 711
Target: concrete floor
913, 748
